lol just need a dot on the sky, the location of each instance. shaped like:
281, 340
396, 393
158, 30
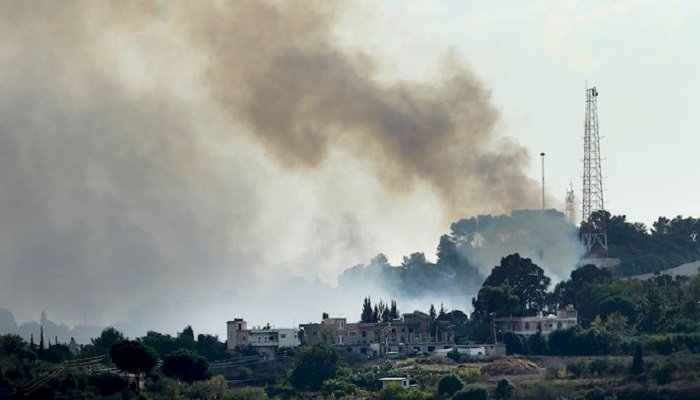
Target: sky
536, 57
163, 163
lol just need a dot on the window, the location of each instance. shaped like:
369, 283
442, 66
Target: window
527, 326
340, 339
559, 325
340, 324
283, 335
364, 333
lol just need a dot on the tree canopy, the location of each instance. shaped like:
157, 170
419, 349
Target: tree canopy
186, 366
314, 365
526, 279
133, 356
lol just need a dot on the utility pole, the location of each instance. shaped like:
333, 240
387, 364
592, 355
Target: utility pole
542, 156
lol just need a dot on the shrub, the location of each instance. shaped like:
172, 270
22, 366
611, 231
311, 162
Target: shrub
514, 344
503, 389
471, 394
599, 366
664, 374
399, 393
469, 374
577, 369
338, 388
108, 384
314, 365
449, 384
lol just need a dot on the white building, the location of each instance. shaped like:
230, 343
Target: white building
544, 324
265, 340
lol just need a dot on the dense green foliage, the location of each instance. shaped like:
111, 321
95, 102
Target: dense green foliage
525, 278
669, 243
449, 385
133, 356
471, 394
503, 389
186, 366
314, 365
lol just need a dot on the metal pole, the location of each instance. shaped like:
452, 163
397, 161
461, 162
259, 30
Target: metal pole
542, 155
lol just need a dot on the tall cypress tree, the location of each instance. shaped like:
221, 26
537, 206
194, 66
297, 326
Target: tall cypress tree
394, 310
367, 313
638, 361
41, 339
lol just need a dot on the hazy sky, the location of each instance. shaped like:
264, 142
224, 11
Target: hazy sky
160, 159
535, 57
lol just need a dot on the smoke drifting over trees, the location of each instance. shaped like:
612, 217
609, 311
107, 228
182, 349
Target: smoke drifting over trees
153, 149
468, 254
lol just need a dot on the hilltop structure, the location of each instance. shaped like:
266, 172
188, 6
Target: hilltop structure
412, 333
266, 340
543, 324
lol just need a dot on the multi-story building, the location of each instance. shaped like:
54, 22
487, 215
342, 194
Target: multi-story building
265, 340
412, 333
544, 324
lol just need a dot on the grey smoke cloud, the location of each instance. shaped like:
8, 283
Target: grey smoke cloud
161, 150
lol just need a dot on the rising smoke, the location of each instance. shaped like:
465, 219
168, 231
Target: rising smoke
181, 155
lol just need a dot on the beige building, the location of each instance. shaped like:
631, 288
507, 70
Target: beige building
395, 382
266, 341
412, 333
544, 324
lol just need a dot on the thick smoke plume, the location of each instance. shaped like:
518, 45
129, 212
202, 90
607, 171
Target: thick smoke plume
161, 154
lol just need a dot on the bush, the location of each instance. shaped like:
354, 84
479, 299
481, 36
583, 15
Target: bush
108, 384
544, 390
449, 385
514, 344
471, 394
469, 374
664, 374
314, 365
399, 393
338, 388
577, 369
283, 390
503, 389
599, 366
247, 393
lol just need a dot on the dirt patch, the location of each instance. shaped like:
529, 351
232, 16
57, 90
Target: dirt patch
511, 366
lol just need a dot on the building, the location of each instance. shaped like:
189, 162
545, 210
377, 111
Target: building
395, 382
544, 324
412, 333
483, 351
267, 341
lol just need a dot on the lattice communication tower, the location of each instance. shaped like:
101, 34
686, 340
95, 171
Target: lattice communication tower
594, 233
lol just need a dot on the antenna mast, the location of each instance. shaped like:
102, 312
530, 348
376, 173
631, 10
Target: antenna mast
570, 205
542, 155
593, 230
